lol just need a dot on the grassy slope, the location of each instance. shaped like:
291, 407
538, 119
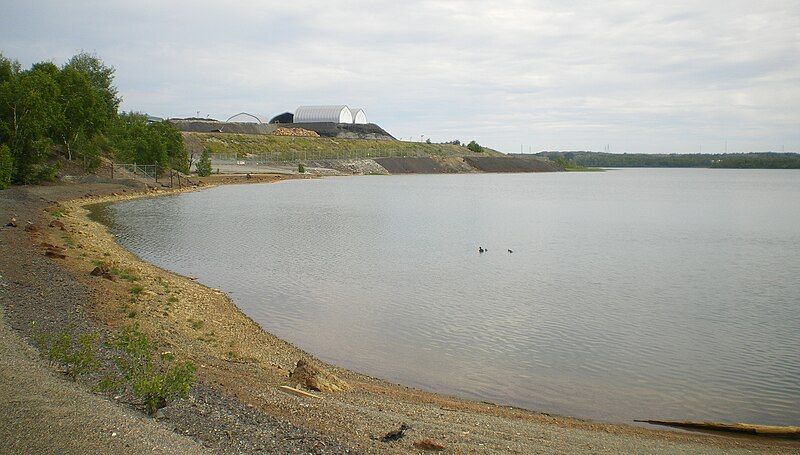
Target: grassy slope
281, 148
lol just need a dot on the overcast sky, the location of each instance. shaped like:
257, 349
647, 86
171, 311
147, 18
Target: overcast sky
541, 75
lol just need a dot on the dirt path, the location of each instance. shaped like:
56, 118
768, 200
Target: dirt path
236, 407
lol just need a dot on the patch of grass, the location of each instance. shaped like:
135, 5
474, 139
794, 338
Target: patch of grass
132, 314
123, 274
172, 299
196, 325
56, 213
108, 383
77, 353
136, 289
68, 241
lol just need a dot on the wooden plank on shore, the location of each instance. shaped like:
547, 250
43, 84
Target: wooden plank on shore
298, 392
774, 431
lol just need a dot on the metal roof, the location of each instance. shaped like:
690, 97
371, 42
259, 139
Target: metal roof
312, 114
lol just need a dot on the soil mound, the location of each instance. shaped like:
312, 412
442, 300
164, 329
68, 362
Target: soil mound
281, 131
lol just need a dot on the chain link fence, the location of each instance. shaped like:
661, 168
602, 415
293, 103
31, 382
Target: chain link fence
142, 170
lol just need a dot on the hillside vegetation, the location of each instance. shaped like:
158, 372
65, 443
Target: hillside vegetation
289, 148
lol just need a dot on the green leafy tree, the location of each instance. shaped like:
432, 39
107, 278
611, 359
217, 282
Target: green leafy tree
101, 77
475, 147
203, 165
29, 104
172, 141
134, 140
81, 112
6, 164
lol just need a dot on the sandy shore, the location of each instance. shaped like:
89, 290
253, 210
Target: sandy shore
242, 365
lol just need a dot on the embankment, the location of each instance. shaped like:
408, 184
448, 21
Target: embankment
511, 164
466, 164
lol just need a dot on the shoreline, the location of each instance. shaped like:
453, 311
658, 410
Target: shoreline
239, 358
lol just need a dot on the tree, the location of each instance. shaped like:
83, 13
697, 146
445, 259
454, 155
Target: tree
134, 140
475, 147
101, 77
173, 144
29, 104
5, 166
82, 113
203, 165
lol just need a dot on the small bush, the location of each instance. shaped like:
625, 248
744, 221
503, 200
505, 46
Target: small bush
301, 169
156, 381
136, 289
76, 353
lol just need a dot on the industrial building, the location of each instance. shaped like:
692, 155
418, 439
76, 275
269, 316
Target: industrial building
322, 114
359, 117
339, 113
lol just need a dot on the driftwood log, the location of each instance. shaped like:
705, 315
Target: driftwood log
773, 431
297, 392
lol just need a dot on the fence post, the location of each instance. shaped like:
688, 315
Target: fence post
112, 170
155, 172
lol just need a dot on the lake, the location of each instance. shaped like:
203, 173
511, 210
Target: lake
630, 294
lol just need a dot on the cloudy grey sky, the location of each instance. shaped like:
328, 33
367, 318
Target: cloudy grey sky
545, 75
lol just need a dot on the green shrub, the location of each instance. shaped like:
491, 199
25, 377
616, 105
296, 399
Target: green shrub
156, 381
76, 353
301, 169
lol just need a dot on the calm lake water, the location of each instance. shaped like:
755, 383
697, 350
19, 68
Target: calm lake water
630, 294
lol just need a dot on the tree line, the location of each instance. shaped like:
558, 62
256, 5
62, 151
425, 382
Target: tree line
761, 160
72, 111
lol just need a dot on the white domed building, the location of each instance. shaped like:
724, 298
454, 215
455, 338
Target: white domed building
323, 114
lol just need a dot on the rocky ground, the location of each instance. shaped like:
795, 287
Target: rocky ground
237, 405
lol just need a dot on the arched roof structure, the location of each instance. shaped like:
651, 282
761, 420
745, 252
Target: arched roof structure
319, 114
286, 117
247, 114
359, 116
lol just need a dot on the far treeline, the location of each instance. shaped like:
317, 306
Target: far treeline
764, 160
49, 113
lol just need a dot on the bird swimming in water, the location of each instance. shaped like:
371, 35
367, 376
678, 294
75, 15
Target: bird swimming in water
510, 251
480, 249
